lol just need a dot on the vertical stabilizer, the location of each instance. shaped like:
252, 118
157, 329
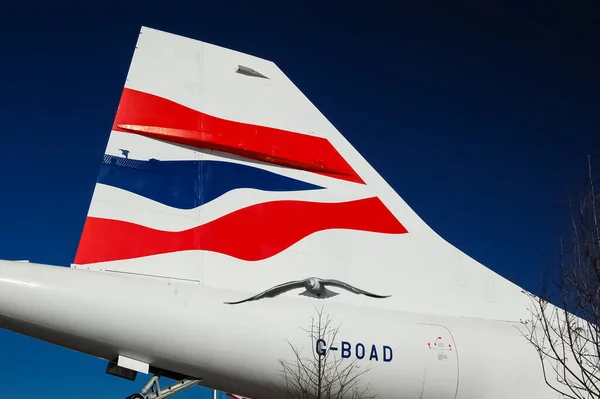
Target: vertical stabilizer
219, 171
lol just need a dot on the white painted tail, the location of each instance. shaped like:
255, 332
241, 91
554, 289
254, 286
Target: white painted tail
219, 171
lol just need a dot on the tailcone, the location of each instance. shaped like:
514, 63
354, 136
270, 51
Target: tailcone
40, 301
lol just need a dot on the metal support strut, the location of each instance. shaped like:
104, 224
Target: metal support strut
152, 389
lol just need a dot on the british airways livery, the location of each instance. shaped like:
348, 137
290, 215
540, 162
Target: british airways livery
246, 196
228, 212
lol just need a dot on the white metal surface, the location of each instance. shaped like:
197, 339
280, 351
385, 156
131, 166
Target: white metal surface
132, 364
421, 271
237, 349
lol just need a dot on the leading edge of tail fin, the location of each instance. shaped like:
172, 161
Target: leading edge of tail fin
219, 171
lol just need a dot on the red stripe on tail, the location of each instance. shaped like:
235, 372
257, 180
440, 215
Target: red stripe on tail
159, 118
253, 233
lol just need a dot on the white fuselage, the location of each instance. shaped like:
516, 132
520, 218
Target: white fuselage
187, 328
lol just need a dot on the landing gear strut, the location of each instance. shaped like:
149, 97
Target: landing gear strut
152, 389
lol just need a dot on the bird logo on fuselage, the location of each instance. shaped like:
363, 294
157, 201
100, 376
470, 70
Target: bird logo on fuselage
314, 287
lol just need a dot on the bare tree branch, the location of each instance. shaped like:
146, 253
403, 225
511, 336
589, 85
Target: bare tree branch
322, 374
566, 336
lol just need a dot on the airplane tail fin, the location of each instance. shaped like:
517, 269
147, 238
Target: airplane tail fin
219, 171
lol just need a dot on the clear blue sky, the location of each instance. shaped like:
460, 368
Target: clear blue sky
479, 115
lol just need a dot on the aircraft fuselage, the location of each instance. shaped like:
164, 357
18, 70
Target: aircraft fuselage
186, 328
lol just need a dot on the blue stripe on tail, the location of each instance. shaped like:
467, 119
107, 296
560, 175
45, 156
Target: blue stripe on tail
189, 184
